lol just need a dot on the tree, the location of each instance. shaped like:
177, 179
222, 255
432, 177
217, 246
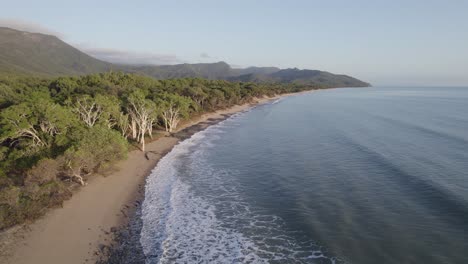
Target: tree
97, 147
142, 113
51, 129
174, 107
35, 124
101, 108
123, 124
216, 98
62, 88
197, 94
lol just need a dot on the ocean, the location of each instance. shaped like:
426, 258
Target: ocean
351, 175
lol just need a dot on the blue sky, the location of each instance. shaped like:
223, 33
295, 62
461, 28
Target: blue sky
384, 42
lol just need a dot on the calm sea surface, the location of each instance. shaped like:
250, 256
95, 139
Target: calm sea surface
365, 175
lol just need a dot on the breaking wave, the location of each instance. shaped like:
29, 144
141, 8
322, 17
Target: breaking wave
194, 213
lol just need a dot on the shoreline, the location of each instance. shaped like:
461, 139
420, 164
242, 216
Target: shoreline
86, 228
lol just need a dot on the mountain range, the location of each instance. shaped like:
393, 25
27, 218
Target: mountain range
44, 55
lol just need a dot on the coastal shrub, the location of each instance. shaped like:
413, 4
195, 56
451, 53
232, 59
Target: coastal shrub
19, 204
9, 199
7, 216
10, 196
44, 171
97, 148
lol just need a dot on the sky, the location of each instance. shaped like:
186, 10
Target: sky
398, 42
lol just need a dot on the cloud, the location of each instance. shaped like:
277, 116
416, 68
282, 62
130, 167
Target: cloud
130, 57
237, 66
28, 26
106, 54
205, 55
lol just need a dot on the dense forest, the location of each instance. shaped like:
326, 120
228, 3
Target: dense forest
54, 133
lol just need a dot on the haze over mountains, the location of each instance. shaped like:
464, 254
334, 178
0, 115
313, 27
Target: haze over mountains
46, 55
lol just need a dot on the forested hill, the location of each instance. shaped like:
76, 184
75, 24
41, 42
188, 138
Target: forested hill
212, 71
45, 55
38, 54
302, 77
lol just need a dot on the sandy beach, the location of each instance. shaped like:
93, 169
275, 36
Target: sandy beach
75, 232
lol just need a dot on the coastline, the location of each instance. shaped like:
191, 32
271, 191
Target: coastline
85, 228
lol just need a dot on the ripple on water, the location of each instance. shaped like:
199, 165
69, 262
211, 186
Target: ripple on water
210, 222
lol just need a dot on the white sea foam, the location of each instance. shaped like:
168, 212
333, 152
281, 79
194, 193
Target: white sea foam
179, 227
193, 213
277, 101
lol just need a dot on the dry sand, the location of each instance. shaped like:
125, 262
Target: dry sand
73, 234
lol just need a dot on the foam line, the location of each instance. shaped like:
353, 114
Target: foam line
194, 213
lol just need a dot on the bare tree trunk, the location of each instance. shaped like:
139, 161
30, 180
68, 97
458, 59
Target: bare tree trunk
142, 138
76, 174
141, 120
171, 118
166, 123
134, 128
80, 179
32, 133
150, 128
89, 113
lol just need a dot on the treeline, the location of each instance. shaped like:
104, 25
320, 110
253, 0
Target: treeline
55, 132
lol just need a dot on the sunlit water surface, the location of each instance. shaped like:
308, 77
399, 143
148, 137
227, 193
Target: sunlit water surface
365, 175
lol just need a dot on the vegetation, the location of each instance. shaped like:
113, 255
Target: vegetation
56, 132
303, 77
45, 55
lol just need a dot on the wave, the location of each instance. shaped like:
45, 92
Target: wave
446, 136
276, 101
194, 213
429, 194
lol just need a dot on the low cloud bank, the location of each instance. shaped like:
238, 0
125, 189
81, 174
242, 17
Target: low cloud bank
28, 26
105, 54
131, 57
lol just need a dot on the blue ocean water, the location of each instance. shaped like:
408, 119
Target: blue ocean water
352, 175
